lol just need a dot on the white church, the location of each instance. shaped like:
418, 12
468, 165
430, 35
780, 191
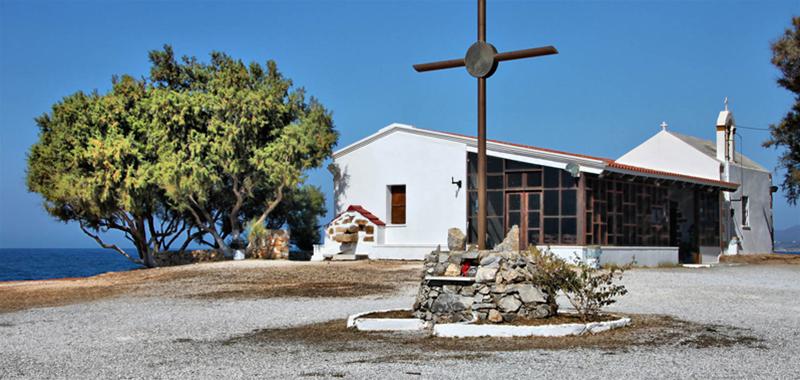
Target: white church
672, 199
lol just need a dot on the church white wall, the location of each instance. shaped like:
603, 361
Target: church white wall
709, 254
668, 153
425, 165
639, 256
755, 184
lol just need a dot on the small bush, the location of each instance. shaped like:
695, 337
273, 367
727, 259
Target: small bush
588, 289
257, 235
553, 274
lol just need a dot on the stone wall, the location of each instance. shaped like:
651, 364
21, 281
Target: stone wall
274, 246
494, 286
165, 259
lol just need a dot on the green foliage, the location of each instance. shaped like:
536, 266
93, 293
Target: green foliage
194, 150
553, 274
300, 211
92, 164
588, 289
256, 231
786, 134
233, 138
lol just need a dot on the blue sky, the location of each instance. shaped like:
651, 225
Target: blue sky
624, 67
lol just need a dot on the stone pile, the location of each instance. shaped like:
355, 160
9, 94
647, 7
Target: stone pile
275, 245
471, 285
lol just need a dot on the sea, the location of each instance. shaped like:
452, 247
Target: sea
45, 263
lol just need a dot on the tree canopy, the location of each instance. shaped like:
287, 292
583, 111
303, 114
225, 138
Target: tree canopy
195, 149
92, 165
231, 135
786, 134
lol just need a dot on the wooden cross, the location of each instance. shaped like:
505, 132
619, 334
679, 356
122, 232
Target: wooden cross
481, 61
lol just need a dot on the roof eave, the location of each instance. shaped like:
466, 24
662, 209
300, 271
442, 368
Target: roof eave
725, 186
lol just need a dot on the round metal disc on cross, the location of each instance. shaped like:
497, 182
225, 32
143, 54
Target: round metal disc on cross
480, 60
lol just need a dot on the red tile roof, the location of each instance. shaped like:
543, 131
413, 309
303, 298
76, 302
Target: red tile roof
370, 216
617, 165
609, 162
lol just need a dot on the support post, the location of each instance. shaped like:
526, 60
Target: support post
581, 225
481, 163
481, 135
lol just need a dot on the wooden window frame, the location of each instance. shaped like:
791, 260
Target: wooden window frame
398, 202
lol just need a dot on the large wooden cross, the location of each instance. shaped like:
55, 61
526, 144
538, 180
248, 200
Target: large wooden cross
481, 61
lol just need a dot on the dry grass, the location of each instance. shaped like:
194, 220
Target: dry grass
763, 259
645, 331
248, 279
391, 314
559, 319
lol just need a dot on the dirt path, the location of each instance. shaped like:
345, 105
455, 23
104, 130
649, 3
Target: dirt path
243, 279
765, 259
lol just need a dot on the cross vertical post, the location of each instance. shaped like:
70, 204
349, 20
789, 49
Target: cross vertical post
481, 62
482, 136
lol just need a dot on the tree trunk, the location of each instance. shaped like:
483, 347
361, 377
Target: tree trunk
149, 258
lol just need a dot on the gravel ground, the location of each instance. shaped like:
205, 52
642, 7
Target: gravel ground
168, 337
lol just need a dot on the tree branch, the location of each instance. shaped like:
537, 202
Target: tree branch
272, 205
109, 246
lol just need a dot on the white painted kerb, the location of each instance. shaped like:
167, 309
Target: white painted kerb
464, 330
385, 324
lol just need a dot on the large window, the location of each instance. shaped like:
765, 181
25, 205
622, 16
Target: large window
560, 208
494, 198
708, 218
542, 201
397, 200
626, 213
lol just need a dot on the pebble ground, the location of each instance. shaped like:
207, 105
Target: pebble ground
131, 337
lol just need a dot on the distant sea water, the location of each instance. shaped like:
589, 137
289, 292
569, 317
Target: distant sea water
39, 264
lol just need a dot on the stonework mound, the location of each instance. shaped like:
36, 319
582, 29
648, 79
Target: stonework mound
472, 285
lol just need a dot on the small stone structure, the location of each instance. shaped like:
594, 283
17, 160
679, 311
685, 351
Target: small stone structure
273, 246
352, 234
345, 228
494, 286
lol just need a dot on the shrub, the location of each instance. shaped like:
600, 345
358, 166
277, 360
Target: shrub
553, 274
590, 289
257, 234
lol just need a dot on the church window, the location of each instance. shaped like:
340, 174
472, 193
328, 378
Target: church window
398, 204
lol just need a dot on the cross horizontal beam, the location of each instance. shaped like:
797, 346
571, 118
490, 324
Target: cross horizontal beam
499, 57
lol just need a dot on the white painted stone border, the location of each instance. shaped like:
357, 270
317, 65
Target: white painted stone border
385, 324
466, 330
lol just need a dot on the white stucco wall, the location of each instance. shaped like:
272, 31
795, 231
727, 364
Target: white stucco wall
425, 166
709, 255
755, 184
666, 152
640, 256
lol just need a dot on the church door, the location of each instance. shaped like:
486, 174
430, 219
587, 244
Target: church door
523, 209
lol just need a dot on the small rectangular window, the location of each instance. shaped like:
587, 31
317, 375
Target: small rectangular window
745, 211
398, 204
